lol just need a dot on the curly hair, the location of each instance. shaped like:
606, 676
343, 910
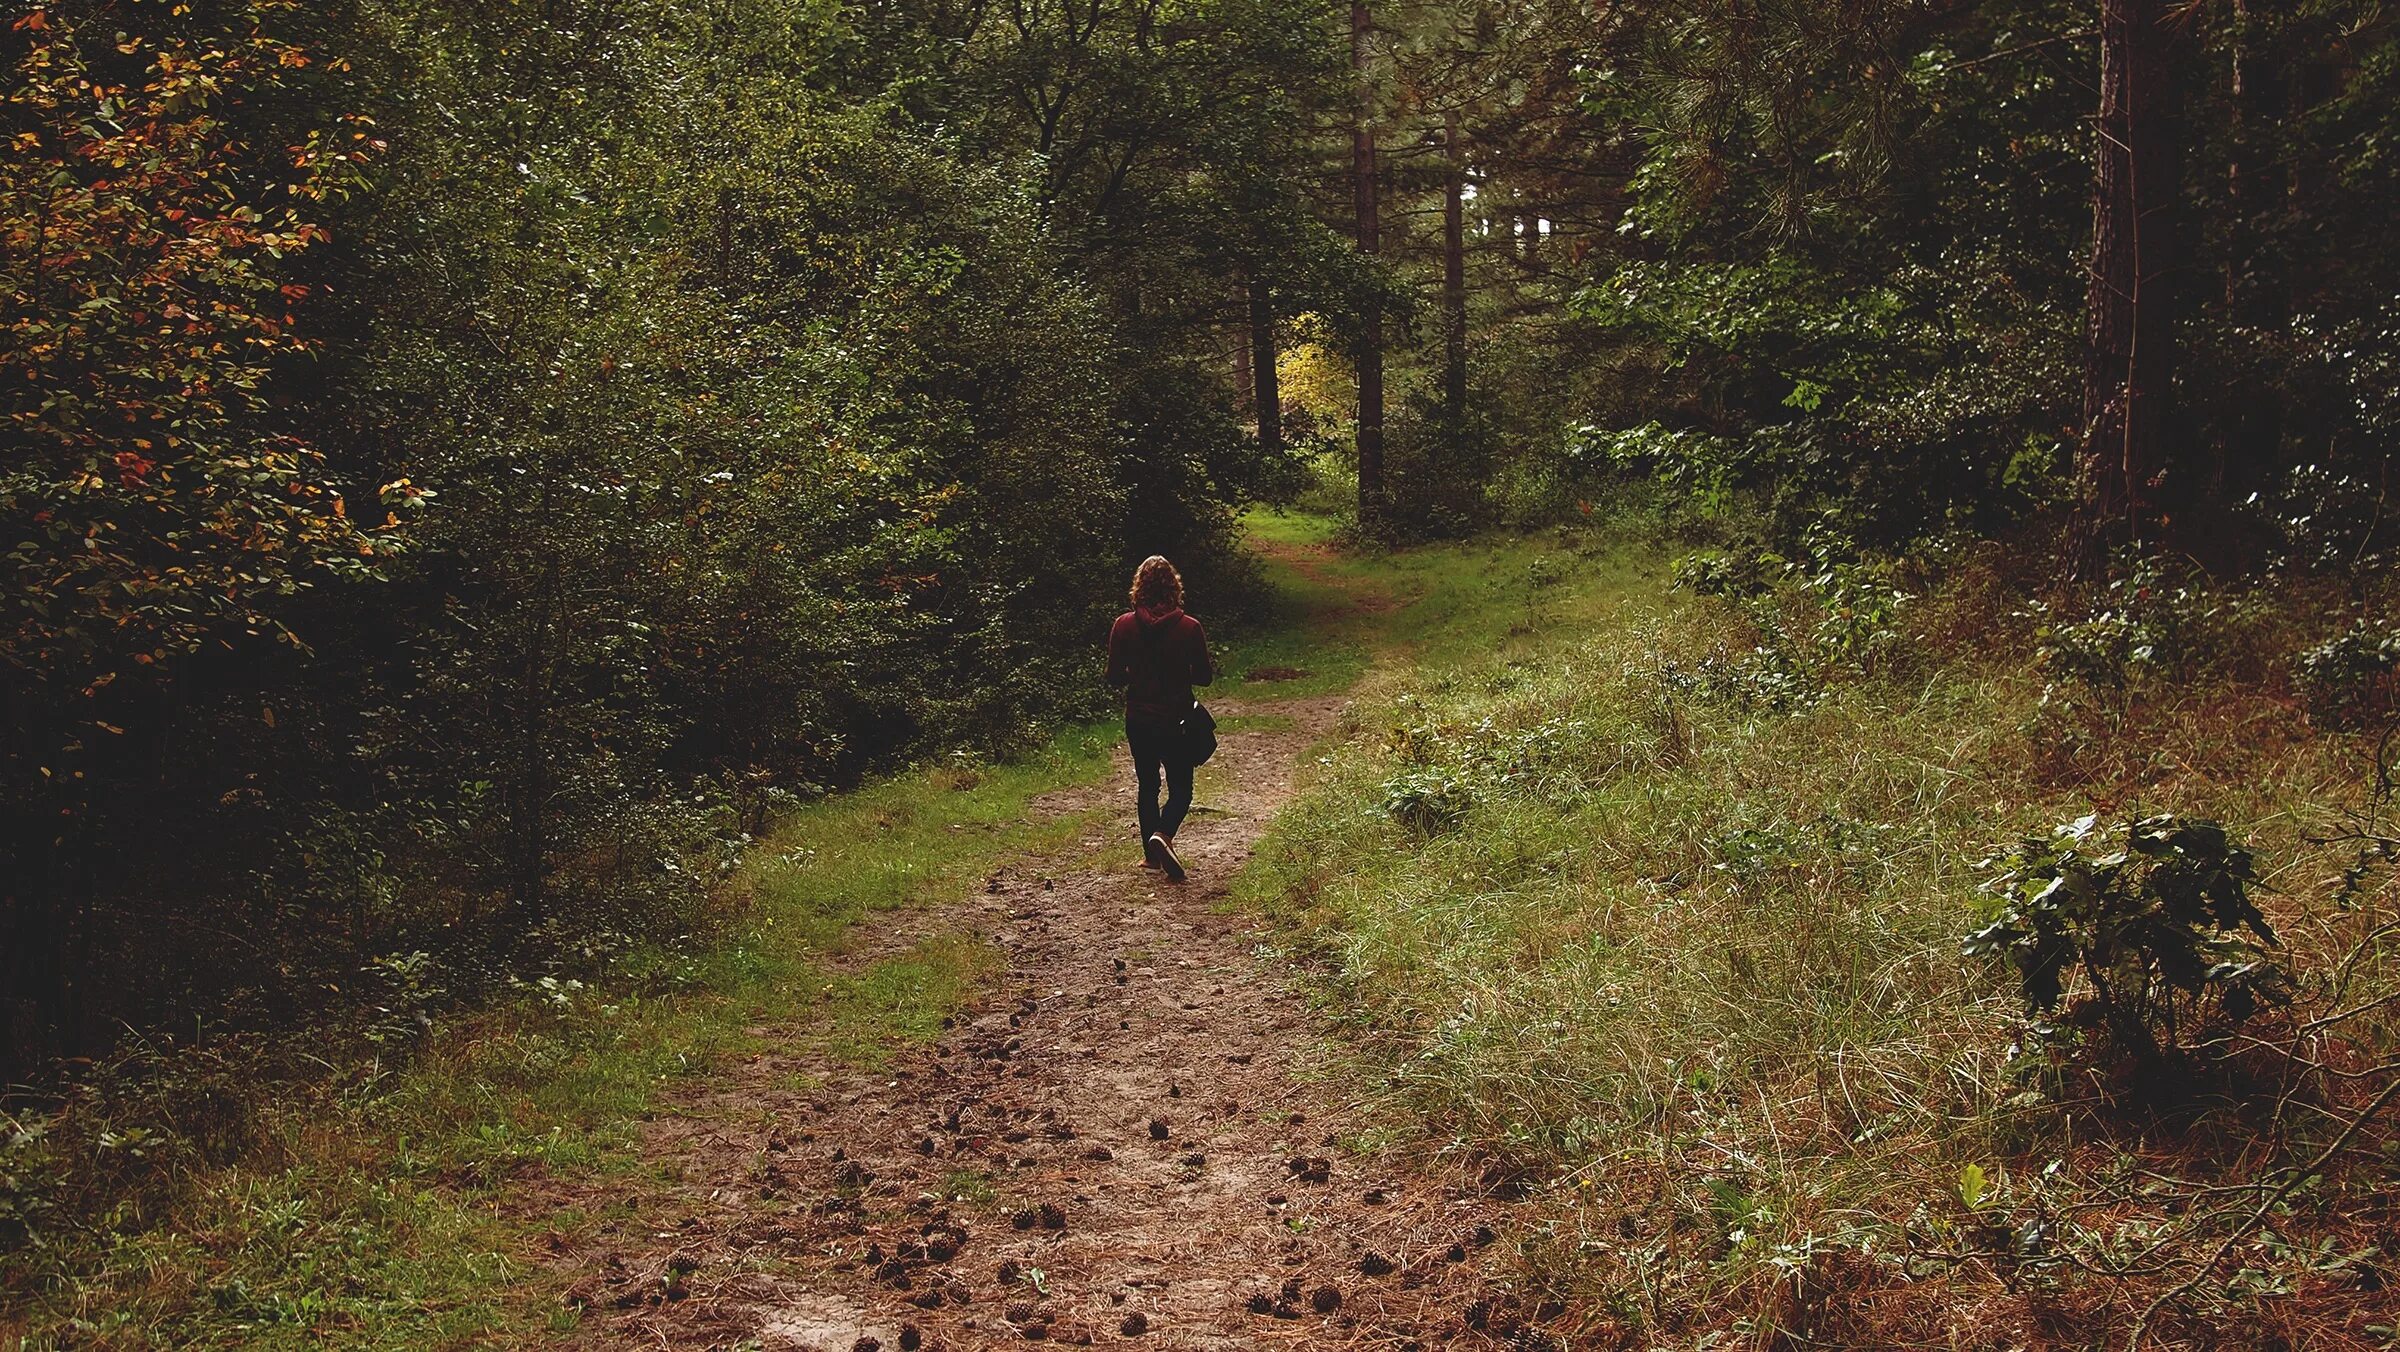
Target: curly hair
1156, 583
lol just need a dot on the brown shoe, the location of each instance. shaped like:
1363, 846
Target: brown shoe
1166, 856
1151, 853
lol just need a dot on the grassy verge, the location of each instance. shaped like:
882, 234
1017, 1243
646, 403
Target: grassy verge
1656, 908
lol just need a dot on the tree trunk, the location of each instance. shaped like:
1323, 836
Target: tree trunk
1265, 381
1245, 359
2129, 364
1454, 278
1370, 243
2254, 299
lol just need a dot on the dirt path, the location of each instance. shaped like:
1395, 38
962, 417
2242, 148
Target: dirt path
1121, 1143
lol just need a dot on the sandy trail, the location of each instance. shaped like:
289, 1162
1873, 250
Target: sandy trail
1123, 1141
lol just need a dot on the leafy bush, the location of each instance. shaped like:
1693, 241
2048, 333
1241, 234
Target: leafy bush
1428, 800
2147, 624
2332, 522
2353, 681
2150, 924
29, 1176
1759, 679
1703, 468
1717, 572
1852, 604
152, 503
1859, 604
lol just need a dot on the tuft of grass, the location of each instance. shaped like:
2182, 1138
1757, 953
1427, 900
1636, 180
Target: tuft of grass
901, 1002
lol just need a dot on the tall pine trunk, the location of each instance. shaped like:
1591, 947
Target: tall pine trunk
1370, 243
1266, 382
2130, 349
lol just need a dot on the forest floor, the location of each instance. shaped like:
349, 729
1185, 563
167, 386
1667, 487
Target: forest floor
1127, 1134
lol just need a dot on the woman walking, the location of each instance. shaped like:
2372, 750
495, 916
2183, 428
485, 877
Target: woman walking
1156, 654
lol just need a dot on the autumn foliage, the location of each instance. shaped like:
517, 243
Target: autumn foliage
150, 505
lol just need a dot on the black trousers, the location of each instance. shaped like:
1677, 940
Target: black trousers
1158, 750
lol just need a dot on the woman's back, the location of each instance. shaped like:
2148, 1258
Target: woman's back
1157, 654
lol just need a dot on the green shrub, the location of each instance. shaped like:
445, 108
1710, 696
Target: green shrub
1428, 800
2147, 625
1717, 572
2331, 521
1760, 679
2150, 924
29, 1179
2352, 681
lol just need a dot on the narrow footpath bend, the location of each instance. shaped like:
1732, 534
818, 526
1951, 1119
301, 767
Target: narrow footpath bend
1116, 1144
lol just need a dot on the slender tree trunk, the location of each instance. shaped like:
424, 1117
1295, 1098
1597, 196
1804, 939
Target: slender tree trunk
1266, 382
1245, 360
2254, 297
1454, 278
1370, 242
2130, 356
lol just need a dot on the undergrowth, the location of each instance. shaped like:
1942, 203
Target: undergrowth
1662, 911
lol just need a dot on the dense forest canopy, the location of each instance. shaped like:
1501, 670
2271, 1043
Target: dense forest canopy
469, 463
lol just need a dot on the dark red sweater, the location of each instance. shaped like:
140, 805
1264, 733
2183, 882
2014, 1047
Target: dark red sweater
1156, 657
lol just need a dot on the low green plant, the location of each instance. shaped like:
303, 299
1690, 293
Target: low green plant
1851, 619
2331, 522
2352, 682
1718, 572
1427, 799
1861, 607
2149, 923
1761, 679
29, 1179
2146, 625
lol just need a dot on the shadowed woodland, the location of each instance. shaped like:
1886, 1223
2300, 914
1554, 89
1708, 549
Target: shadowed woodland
1858, 536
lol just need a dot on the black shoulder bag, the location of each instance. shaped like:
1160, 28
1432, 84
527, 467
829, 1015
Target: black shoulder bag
1199, 729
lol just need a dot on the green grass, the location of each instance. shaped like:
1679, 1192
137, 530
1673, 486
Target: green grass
1309, 617
1341, 615
1592, 901
911, 839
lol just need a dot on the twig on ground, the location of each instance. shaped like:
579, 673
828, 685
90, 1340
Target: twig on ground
2141, 1326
